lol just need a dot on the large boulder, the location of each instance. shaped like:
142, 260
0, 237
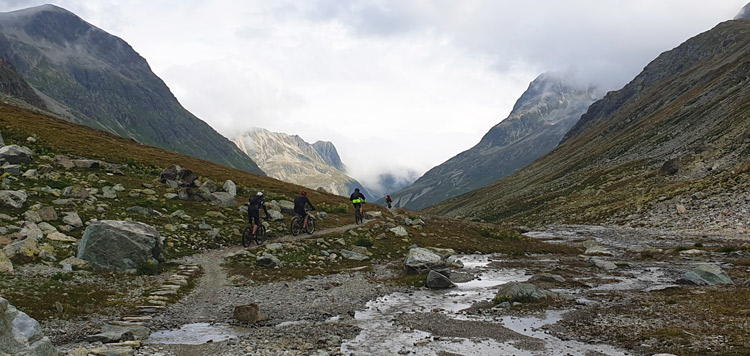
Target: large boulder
115, 333
420, 259
706, 275
230, 187
23, 250
439, 279
520, 292
222, 199
120, 245
249, 313
286, 207
175, 173
12, 198
21, 335
15, 154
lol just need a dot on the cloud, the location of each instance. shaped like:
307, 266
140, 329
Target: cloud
397, 86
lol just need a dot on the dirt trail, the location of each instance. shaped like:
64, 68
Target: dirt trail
200, 305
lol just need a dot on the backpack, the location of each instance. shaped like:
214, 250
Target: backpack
255, 202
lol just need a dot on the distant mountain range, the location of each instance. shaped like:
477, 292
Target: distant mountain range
291, 159
88, 76
679, 132
541, 116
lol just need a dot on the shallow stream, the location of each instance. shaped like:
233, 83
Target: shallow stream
381, 336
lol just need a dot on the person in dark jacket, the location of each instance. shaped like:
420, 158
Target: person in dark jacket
388, 200
299, 207
358, 199
253, 210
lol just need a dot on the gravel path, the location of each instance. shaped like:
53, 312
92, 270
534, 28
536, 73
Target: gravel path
304, 316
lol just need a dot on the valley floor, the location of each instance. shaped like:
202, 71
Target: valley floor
635, 307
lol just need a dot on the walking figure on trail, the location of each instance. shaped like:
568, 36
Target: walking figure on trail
388, 200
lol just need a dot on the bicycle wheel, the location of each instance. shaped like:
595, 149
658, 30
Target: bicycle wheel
310, 225
295, 227
247, 236
260, 235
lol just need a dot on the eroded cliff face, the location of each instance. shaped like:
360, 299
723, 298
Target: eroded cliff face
289, 158
541, 116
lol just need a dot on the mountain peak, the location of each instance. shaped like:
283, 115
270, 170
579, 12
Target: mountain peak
744, 14
33, 11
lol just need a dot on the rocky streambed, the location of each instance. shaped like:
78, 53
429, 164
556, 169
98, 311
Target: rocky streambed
629, 295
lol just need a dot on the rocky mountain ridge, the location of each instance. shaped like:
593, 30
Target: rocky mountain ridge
539, 119
291, 159
665, 144
88, 76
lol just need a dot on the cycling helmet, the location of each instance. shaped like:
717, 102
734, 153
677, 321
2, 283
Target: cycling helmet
260, 194
303, 192
356, 189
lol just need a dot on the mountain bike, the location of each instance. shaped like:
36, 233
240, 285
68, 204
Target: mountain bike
357, 215
248, 237
296, 225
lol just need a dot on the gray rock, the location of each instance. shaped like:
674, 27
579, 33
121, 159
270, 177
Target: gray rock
87, 163
421, 259
2, 143
439, 280
399, 231
115, 333
230, 188
12, 198
183, 177
276, 215
48, 213
268, 261
109, 192
547, 277
119, 245
373, 214
31, 230
171, 196
520, 292
15, 154
32, 216
222, 199
322, 215
351, 255
205, 190
12, 169
63, 161
274, 247
249, 313
24, 249
598, 251
706, 275
602, 264
286, 207
455, 262
6, 266
21, 334
71, 218
31, 174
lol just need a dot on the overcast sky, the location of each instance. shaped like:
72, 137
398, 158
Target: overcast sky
394, 84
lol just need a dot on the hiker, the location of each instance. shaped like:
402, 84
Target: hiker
388, 200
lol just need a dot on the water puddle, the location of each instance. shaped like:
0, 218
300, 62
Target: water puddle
381, 336
195, 334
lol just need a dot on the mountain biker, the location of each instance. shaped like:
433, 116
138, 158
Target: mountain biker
358, 199
388, 200
253, 210
299, 207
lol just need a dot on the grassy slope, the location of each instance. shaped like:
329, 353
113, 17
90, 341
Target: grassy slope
699, 115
